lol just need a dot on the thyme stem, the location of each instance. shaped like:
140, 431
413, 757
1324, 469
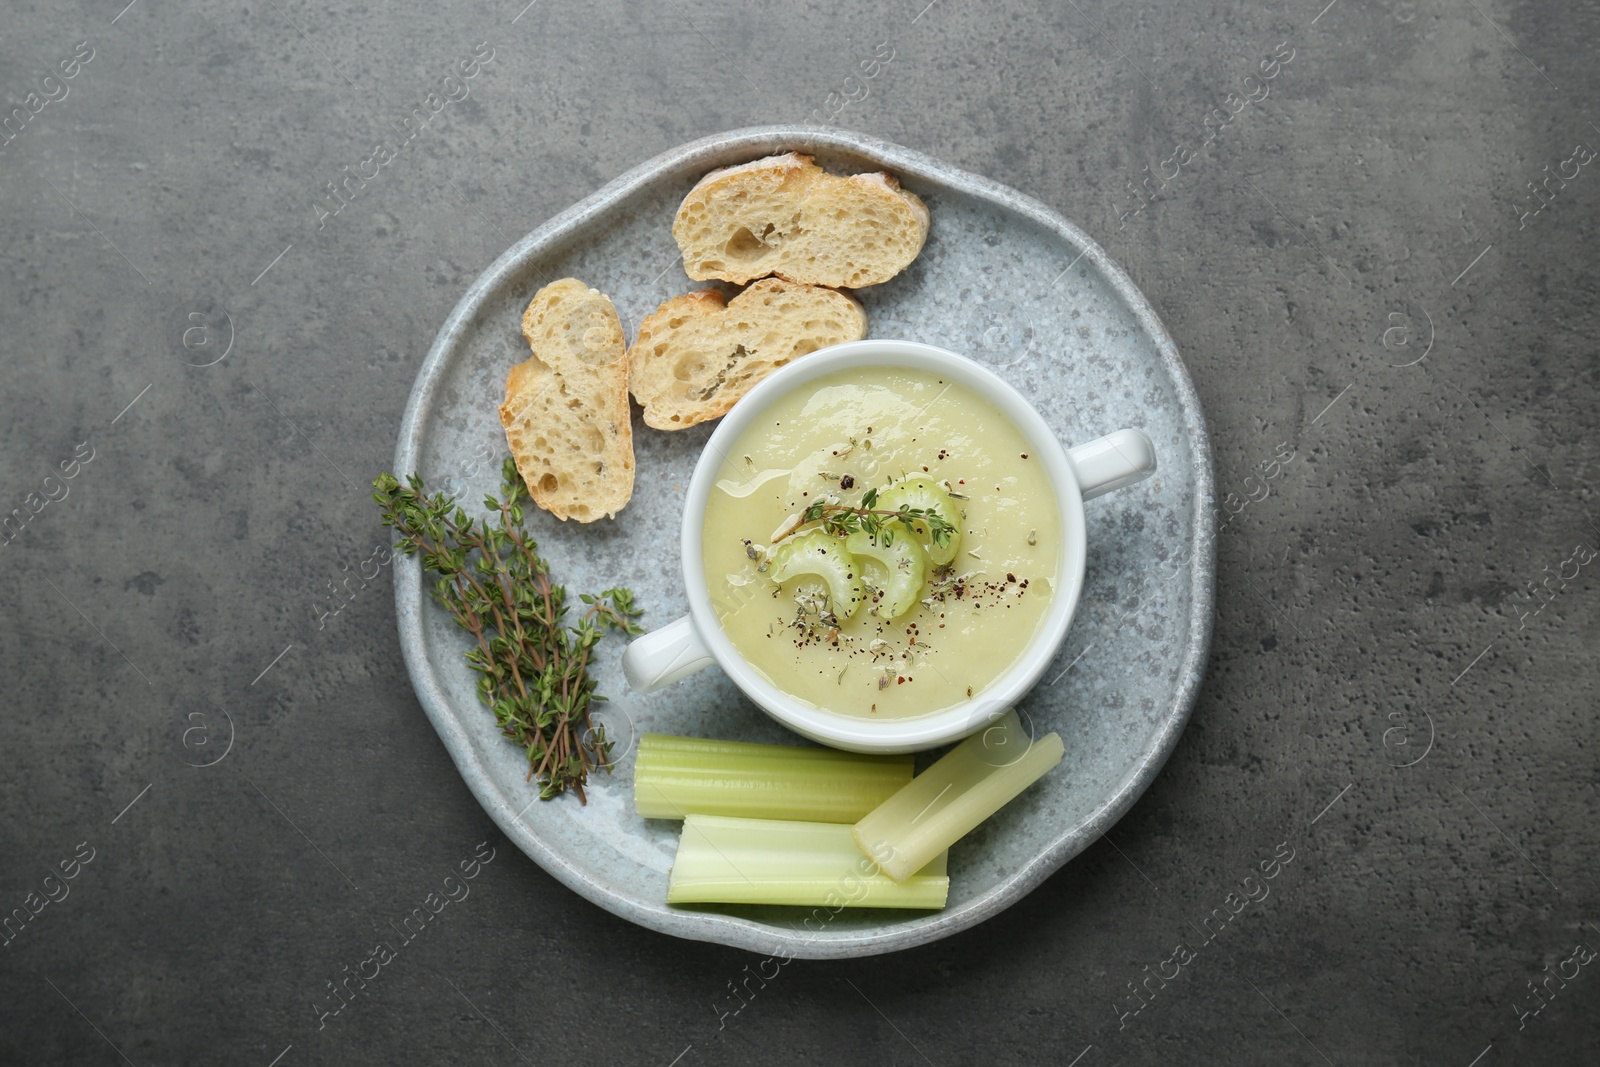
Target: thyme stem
842, 519
532, 666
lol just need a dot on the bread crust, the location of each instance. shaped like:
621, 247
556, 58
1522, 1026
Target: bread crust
785, 215
566, 412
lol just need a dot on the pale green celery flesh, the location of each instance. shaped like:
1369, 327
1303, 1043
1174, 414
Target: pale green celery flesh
771, 861
820, 554
926, 493
941, 805
678, 776
904, 563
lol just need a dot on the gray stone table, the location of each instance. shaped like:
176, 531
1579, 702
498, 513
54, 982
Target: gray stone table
1401, 693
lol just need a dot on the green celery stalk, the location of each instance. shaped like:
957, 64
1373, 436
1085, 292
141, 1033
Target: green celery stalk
678, 776
941, 805
772, 861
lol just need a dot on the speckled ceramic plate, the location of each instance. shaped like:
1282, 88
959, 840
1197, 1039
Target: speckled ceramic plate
1004, 280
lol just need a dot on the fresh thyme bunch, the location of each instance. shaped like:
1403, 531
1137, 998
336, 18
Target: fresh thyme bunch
533, 668
843, 519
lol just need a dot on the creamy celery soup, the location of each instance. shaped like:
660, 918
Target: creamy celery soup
880, 543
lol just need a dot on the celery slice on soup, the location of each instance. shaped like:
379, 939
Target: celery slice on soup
775, 861
968, 784
674, 777
906, 563
928, 495
820, 555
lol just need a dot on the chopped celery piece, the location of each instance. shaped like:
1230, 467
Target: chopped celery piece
678, 776
942, 804
906, 564
929, 495
772, 861
822, 555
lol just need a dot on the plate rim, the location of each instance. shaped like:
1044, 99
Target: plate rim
732, 930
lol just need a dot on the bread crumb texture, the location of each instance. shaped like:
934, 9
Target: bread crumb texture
785, 215
696, 354
566, 408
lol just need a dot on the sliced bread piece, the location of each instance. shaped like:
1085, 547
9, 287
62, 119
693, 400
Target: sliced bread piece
696, 355
785, 215
566, 409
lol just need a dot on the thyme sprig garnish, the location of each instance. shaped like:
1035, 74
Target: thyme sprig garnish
533, 666
844, 519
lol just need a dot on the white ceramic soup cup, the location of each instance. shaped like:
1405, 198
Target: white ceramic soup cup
697, 640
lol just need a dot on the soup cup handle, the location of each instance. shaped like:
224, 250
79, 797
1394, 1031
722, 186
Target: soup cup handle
1113, 461
665, 655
